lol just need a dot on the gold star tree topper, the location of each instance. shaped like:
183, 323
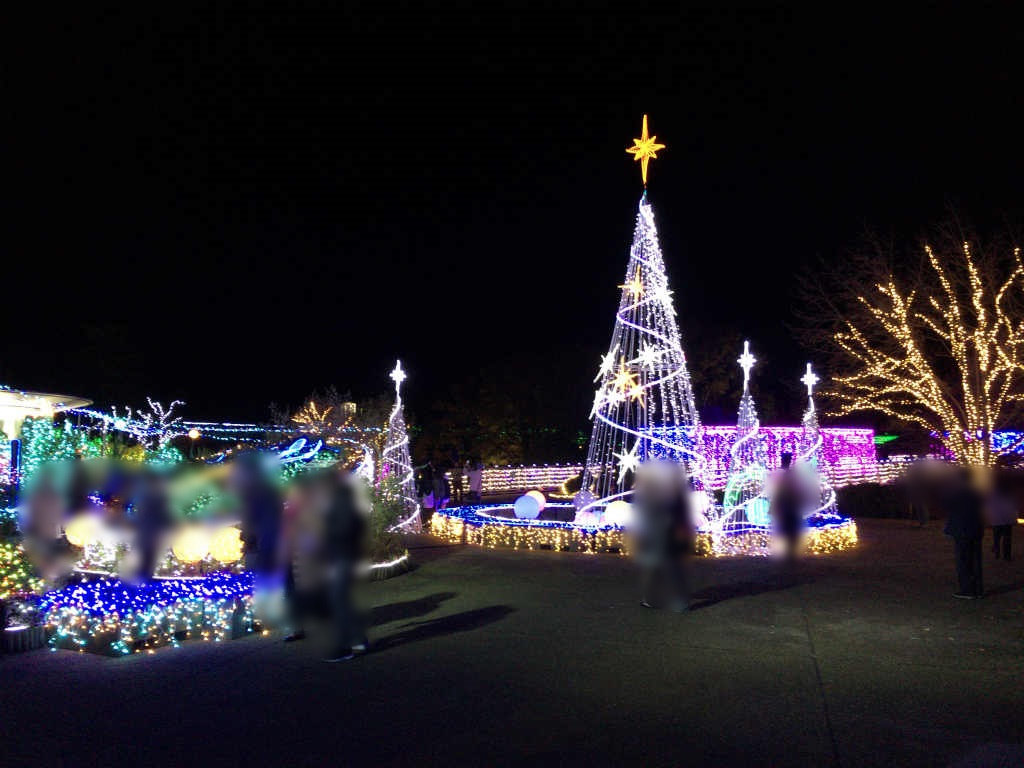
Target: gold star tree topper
644, 149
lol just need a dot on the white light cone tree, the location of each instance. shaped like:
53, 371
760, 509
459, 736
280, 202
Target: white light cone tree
396, 474
644, 406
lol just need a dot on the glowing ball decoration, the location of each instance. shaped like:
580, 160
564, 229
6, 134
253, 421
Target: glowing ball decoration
619, 513
226, 545
527, 508
541, 501
191, 544
83, 530
757, 511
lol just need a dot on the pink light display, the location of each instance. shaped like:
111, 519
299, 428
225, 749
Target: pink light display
847, 452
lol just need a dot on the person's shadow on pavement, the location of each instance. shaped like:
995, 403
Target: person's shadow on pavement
709, 596
410, 609
445, 625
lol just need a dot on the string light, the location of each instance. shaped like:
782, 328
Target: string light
396, 472
643, 379
978, 323
117, 618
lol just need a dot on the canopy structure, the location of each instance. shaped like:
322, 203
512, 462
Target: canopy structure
17, 405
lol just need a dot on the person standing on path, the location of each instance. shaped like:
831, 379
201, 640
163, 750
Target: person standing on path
663, 534
786, 508
964, 524
1002, 515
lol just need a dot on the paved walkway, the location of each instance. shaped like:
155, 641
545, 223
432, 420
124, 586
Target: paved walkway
537, 658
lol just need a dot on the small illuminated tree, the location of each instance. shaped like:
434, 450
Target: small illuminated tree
942, 349
396, 478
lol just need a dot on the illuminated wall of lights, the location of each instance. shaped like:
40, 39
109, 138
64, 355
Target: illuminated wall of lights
117, 618
848, 454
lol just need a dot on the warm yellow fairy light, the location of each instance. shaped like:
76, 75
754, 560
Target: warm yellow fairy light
313, 417
983, 333
644, 149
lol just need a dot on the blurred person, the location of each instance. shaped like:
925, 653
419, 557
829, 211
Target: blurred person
663, 534
442, 488
457, 475
475, 473
152, 518
786, 506
344, 531
41, 523
964, 505
309, 498
1002, 510
260, 512
425, 488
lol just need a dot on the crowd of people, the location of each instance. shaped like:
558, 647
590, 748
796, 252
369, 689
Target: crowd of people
968, 498
305, 543
443, 482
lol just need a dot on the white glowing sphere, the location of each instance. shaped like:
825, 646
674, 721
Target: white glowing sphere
83, 529
526, 508
541, 501
191, 544
619, 513
226, 545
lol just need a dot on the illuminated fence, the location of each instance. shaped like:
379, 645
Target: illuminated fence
848, 453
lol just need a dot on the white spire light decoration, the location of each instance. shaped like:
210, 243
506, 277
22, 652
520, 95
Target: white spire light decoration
644, 404
745, 502
809, 451
396, 472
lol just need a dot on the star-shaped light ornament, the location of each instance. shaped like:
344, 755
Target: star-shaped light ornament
398, 376
746, 362
634, 287
628, 461
648, 356
809, 379
607, 364
663, 296
599, 401
644, 149
625, 380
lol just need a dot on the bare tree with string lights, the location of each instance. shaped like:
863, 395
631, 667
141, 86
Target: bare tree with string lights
936, 342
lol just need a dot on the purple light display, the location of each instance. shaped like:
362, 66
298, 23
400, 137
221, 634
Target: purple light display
845, 450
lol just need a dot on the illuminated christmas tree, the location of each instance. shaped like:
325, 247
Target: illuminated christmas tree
809, 452
644, 404
396, 475
745, 501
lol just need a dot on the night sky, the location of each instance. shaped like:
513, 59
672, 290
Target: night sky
232, 208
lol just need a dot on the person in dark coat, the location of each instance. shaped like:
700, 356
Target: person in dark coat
151, 513
344, 530
786, 506
261, 511
964, 523
663, 534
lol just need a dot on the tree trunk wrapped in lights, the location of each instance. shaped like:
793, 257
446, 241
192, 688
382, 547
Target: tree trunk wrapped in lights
943, 352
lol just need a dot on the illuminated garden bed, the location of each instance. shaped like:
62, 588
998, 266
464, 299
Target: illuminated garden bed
116, 618
493, 527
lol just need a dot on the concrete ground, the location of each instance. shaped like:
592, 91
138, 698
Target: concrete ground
493, 658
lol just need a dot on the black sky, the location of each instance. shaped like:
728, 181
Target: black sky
232, 207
